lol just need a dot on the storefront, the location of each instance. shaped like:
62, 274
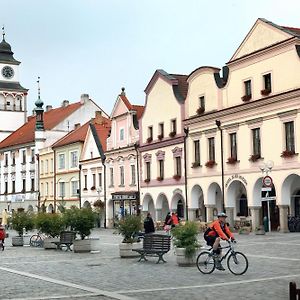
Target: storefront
125, 203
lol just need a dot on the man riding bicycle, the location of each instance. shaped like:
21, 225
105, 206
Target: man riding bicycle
216, 231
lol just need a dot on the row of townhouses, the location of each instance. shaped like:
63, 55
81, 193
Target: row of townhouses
205, 142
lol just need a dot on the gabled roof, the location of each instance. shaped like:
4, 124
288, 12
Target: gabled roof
276, 35
178, 82
25, 134
79, 134
102, 133
138, 108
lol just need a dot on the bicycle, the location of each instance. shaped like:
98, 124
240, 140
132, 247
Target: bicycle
37, 240
237, 262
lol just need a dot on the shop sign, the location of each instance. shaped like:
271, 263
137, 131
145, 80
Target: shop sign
124, 197
234, 177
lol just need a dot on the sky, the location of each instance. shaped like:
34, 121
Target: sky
97, 47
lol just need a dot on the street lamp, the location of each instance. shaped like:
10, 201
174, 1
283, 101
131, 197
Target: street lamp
218, 123
186, 133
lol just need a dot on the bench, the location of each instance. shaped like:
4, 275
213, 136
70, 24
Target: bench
155, 245
294, 292
65, 238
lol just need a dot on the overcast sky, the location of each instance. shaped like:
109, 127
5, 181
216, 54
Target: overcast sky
96, 47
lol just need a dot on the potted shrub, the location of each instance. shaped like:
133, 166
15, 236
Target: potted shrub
51, 225
128, 227
231, 160
254, 157
81, 221
200, 110
159, 178
149, 139
21, 221
265, 92
210, 164
147, 180
176, 177
172, 134
287, 153
246, 98
196, 164
160, 137
186, 243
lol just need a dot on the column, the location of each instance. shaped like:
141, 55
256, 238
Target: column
255, 217
192, 214
230, 217
209, 212
283, 217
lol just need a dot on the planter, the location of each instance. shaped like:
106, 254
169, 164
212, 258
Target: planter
48, 243
183, 261
17, 241
126, 249
82, 246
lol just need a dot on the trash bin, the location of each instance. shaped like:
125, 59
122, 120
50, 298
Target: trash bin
266, 223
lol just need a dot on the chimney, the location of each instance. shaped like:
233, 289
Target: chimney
98, 117
48, 107
84, 98
77, 125
65, 103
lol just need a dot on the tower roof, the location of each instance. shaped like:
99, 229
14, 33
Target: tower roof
6, 55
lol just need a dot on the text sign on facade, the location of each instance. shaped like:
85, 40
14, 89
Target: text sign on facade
123, 197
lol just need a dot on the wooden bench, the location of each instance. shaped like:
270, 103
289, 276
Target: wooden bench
65, 238
294, 292
155, 245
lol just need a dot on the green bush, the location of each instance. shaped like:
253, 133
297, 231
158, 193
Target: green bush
185, 236
80, 220
49, 224
128, 227
20, 220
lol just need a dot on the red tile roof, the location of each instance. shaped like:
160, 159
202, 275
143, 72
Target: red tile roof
102, 132
25, 134
79, 134
293, 29
138, 108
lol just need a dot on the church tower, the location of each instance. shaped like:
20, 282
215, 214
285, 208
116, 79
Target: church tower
13, 97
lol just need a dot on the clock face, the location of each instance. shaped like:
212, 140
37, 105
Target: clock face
8, 72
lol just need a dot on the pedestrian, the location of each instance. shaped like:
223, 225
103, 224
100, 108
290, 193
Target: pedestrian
175, 220
168, 223
4, 218
149, 224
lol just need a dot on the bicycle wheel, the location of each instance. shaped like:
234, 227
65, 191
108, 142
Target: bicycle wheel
237, 263
205, 262
36, 241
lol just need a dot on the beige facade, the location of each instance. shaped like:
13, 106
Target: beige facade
257, 104
162, 146
46, 179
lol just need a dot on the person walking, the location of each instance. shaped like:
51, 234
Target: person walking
175, 220
149, 224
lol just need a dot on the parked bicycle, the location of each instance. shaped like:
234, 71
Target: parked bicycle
294, 224
237, 262
37, 240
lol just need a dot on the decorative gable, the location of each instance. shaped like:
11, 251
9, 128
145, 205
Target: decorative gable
90, 149
263, 34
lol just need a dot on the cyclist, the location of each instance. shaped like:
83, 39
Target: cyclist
216, 231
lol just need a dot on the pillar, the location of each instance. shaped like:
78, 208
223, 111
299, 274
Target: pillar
209, 212
255, 217
192, 214
283, 217
230, 217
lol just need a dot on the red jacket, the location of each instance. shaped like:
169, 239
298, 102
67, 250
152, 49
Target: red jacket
216, 229
2, 234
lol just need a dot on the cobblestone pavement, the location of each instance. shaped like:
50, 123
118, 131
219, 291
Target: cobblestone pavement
31, 273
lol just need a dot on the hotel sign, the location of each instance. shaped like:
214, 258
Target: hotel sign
235, 177
132, 196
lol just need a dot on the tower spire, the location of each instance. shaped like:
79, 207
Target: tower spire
39, 123
3, 33
39, 88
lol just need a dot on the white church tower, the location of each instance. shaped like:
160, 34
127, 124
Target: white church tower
13, 105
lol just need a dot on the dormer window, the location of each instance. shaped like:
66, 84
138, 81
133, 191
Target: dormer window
267, 85
201, 108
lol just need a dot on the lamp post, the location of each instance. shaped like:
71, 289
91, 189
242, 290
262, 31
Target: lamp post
186, 133
218, 123
103, 158
266, 168
99, 190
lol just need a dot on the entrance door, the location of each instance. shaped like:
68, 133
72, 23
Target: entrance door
274, 213
180, 211
297, 204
